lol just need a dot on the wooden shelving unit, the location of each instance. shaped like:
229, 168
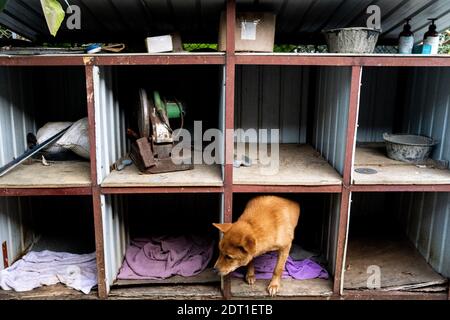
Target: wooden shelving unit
303, 171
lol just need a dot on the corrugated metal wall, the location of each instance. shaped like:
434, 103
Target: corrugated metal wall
331, 114
14, 214
377, 103
423, 216
110, 126
16, 111
413, 100
426, 220
115, 234
332, 233
278, 97
273, 97
427, 107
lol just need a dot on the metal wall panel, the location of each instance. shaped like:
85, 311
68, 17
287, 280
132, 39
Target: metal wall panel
331, 114
273, 97
377, 103
418, 102
427, 107
426, 218
110, 121
115, 235
333, 228
16, 112
13, 212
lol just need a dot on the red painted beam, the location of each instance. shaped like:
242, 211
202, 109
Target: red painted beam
343, 60
163, 59
400, 188
352, 122
286, 189
42, 60
143, 190
342, 239
62, 191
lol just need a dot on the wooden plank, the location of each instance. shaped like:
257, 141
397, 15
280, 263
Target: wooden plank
58, 174
199, 292
54, 292
391, 172
402, 267
201, 176
289, 288
298, 165
207, 276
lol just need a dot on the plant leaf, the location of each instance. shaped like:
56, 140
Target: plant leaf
2, 4
54, 15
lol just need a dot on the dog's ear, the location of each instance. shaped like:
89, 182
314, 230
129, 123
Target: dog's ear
224, 227
249, 243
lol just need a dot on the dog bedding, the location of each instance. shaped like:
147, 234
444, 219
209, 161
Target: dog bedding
164, 256
36, 269
294, 269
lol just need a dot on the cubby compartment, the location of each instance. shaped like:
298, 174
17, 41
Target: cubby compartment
308, 109
36, 224
201, 91
315, 240
174, 229
398, 242
30, 97
403, 101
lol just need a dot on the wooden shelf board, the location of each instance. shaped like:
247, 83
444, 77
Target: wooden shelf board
402, 267
59, 174
207, 276
391, 172
201, 176
299, 165
289, 288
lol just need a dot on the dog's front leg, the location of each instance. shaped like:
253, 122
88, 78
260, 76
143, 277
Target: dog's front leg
250, 276
275, 283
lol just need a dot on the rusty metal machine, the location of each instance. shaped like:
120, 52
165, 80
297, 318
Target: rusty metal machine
152, 151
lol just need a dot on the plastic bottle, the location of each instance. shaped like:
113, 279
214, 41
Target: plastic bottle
431, 37
406, 39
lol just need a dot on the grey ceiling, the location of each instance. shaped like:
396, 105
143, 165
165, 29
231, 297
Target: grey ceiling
298, 21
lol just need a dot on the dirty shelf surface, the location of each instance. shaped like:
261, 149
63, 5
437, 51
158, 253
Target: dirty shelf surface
202, 175
402, 267
207, 276
187, 291
53, 292
298, 165
289, 288
391, 171
58, 174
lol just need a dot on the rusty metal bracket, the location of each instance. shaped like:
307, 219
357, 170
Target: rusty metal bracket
5, 255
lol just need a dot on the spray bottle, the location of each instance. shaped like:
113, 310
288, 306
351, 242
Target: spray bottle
406, 39
431, 37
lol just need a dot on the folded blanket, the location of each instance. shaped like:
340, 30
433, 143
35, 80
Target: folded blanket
36, 269
166, 256
294, 269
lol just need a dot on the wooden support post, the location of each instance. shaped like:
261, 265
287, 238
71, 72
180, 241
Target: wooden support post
229, 125
96, 202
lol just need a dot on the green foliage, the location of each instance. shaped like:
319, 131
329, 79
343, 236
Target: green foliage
445, 47
5, 33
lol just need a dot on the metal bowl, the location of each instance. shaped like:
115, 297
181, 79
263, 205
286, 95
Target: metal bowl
352, 40
408, 148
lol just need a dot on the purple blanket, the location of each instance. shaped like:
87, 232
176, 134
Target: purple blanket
165, 256
294, 269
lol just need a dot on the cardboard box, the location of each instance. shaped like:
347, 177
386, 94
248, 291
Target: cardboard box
255, 31
166, 43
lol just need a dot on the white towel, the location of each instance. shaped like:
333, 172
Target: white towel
35, 269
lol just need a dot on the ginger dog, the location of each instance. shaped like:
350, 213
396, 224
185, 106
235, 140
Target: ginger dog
267, 224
